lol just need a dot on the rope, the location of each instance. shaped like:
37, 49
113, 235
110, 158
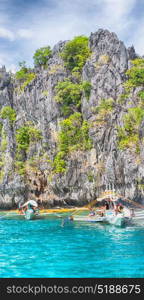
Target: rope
124, 198
132, 201
1, 217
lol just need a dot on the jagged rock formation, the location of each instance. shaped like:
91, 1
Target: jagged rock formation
88, 172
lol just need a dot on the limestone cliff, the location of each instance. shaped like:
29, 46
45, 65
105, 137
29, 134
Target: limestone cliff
90, 171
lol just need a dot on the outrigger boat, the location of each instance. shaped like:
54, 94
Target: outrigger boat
108, 214
30, 210
91, 219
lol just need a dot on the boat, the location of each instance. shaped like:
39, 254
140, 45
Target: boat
113, 215
30, 210
30, 214
110, 215
90, 219
108, 218
117, 219
138, 217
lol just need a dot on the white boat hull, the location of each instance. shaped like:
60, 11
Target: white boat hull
30, 214
110, 218
117, 220
89, 219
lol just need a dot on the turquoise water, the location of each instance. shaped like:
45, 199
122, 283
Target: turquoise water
45, 248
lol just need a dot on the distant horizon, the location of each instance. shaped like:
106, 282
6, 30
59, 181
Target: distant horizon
26, 26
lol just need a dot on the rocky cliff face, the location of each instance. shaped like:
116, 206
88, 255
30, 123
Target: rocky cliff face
88, 172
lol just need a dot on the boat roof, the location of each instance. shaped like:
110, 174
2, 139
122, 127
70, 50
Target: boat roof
110, 194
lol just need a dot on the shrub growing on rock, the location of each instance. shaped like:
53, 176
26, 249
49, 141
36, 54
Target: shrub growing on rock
1, 127
8, 112
69, 95
26, 135
73, 136
135, 74
42, 56
75, 53
86, 85
105, 105
128, 135
24, 75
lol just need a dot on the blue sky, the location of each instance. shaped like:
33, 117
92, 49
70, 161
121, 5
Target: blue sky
26, 25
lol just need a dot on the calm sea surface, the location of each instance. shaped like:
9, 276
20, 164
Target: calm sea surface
46, 248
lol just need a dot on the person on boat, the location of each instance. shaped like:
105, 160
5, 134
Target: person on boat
103, 209
92, 212
29, 206
119, 208
34, 208
101, 213
21, 210
107, 206
111, 204
132, 212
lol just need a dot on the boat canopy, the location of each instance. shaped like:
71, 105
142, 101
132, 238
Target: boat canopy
31, 202
108, 195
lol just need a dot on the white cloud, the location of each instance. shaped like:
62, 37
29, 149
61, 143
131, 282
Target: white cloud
46, 25
69, 18
13, 35
116, 15
12, 67
137, 38
24, 33
7, 34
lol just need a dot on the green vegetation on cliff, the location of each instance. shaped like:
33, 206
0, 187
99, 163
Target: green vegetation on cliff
75, 53
24, 76
1, 126
128, 135
69, 95
73, 136
141, 96
74, 131
3, 146
86, 86
135, 74
105, 106
42, 56
25, 136
9, 113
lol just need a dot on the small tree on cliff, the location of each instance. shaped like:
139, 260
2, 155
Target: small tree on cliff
42, 55
75, 53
